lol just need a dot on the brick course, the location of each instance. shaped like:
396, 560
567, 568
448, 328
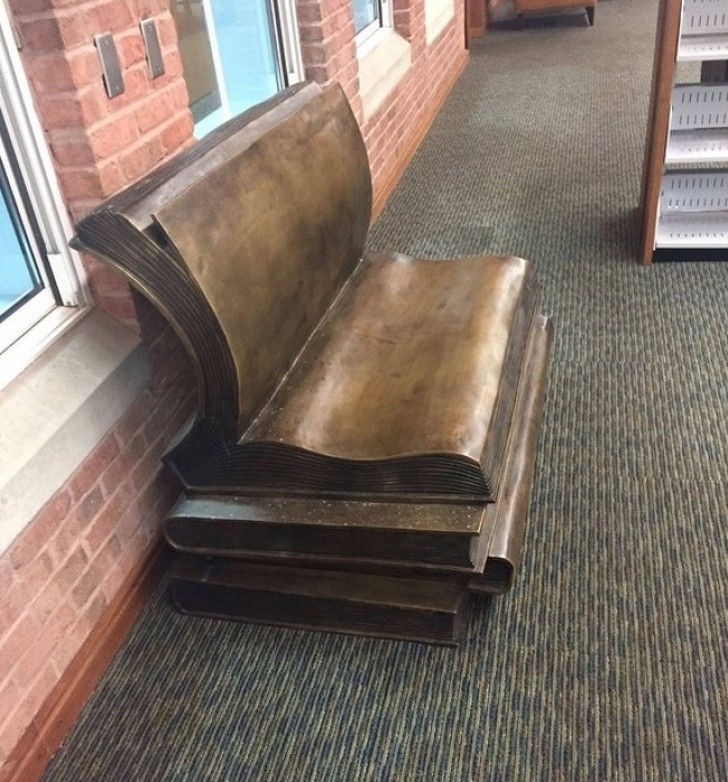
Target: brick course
70, 562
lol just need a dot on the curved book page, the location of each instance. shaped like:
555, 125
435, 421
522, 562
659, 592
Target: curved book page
406, 387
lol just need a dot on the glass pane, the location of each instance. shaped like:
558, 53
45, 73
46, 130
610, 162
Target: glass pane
365, 12
196, 54
247, 51
18, 276
229, 55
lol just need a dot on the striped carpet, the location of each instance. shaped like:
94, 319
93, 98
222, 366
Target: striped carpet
609, 659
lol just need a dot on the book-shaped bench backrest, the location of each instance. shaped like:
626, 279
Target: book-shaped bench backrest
320, 373
244, 240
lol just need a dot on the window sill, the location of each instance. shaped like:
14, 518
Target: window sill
58, 410
438, 14
383, 62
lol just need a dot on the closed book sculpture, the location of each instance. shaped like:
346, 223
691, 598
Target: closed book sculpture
364, 420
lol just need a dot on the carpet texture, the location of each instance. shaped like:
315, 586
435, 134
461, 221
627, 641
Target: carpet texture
609, 658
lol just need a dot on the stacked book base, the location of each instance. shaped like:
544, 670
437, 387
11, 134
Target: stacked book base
394, 570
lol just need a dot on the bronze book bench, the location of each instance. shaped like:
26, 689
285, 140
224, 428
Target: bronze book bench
363, 452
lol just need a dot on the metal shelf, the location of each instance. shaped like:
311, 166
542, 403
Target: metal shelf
703, 47
697, 230
694, 191
704, 17
685, 182
698, 124
704, 30
698, 146
693, 210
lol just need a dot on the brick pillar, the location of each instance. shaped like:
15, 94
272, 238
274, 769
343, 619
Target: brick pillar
326, 30
100, 144
476, 18
407, 16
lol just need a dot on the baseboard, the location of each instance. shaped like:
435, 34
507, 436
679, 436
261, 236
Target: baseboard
395, 173
60, 710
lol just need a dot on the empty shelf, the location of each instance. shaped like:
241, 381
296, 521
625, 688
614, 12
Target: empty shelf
693, 210
692, 230
697, 146
704, 30
703, 47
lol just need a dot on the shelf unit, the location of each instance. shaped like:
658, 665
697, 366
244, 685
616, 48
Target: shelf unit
685, 177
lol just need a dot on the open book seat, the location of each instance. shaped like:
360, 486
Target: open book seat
405, 388
373, 417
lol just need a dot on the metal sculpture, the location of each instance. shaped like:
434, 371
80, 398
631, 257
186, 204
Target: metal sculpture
363, 451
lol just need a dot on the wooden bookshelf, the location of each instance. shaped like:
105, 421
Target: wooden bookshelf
685, 175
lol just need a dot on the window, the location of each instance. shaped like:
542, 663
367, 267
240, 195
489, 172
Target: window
26, 290
384, 56
235, 53
369, 17
366, 12
41, 288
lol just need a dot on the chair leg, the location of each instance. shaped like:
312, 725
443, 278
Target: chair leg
590, 15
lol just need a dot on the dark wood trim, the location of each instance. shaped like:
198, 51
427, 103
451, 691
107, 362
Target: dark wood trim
385, 189
666, 40
476, 20
60, 710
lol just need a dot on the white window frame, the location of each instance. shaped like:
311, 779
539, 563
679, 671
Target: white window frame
287, 49
366, 38
288, 39
28, 314
43, 319
384, 58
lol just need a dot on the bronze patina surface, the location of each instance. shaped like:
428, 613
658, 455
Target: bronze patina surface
363, 452
269, 238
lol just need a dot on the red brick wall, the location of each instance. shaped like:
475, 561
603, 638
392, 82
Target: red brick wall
326, 30
329, 54
62, 572
58, 577
388, 132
